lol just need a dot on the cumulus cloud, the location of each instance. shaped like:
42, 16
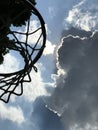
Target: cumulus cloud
84, 15
11, 64
11, 113
34, 26
35, 88
19, 110
75, 96
49, 49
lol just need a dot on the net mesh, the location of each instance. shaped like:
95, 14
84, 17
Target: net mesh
29, 42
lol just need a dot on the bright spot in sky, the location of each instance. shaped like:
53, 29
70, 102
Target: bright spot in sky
49, 49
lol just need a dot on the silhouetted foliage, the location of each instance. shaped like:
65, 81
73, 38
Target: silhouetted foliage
9, 9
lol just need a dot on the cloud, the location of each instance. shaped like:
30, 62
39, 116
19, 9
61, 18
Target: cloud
87, 127
11, 113
35, 88
11, 64
83, 15
75, 96
33, 26
43, 118
49, 49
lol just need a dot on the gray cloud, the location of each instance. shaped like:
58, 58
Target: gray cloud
37, 117
7, 125
75, 97
76, 32
43, 118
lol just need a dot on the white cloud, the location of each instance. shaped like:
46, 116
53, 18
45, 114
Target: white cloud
11, 64
49, 49
48, 32
84, 15
32, 37
34, 25
11, 113
35, 88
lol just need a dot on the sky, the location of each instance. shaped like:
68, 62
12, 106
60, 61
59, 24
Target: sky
63, 93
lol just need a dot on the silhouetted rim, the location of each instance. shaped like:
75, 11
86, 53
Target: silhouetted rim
10, 81
37, 57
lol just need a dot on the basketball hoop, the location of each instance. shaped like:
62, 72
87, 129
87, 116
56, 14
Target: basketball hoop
30, 52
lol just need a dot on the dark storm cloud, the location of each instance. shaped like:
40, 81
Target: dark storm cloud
43, 118
76, 32
76, 94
